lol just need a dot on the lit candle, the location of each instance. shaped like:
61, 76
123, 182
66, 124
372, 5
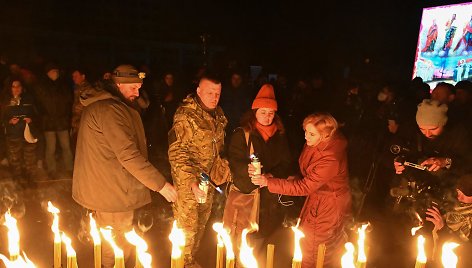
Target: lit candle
119, 257
421, 257
297, 254
270, 256
20, 262
361, 256
220, 253
97, 243
177, 237
245, 254
347, 260
13, 236
320, 256
448, 258
143, 258
57, 236
218, 227
71, 254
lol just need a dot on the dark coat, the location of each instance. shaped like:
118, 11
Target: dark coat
274, 156
54, 101
24, 109
325, 181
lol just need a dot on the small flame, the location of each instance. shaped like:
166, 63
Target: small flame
415, 229
94, 231
297, 254
141, 247
67, 241
361, 257
448, 258
421, 258
106, 232
21, 262
419, 218
177, 237
246, 255
55, 223
13, 235
347, 260
223, 234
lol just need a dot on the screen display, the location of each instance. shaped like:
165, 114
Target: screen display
444, 50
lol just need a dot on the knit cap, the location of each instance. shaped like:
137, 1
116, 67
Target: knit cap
127, 74
265, 98
431, 113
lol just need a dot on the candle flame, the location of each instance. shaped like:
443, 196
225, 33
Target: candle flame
421, 258
141, 247
55, 223
94, 231
415, 229
13, 235
246, 255
21, 262
448, 258
68, 242
177, 237
297, 254
419, 218
361, 257
347, 260
106, 232
223, 234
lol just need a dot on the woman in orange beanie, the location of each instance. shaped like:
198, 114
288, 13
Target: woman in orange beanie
265, 132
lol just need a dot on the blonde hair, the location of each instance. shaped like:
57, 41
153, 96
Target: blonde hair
324, 123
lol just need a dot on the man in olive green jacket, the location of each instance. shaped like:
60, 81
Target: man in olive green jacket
112, 175
195, 142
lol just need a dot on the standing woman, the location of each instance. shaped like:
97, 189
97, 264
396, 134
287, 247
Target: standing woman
265, 132
324, 167
18, 111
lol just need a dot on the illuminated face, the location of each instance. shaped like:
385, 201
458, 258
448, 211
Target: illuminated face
16, 88
130, 90
209, 93
431, 132
53, 74
78, 78
312, 136
265, 116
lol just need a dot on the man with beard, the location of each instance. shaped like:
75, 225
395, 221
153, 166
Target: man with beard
438, 145
112, 175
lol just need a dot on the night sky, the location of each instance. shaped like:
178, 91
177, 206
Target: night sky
276, 34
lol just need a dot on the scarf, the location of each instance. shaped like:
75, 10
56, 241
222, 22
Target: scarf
266, 131
460, 220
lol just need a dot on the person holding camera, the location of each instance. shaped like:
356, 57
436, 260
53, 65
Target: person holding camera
456, 224
439, 146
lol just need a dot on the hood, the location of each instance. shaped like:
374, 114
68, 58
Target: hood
101, 92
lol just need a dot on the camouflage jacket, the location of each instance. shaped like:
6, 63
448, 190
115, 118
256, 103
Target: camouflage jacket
195, 142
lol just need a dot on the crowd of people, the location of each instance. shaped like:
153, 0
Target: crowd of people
347, 147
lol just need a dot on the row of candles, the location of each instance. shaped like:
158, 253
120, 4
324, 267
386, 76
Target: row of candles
225, 257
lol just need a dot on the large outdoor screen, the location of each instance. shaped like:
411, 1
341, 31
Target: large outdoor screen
444, 51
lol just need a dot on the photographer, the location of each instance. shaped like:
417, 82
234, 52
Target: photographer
457, 223
445, 146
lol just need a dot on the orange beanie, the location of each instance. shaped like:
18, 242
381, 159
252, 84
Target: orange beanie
265, 98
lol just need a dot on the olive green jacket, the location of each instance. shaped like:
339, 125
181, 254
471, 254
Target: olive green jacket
195, 143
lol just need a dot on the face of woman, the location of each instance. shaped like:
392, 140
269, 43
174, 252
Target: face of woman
312, 136
265, 116
16, 88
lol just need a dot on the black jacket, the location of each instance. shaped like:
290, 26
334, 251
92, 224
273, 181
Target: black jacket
24, 109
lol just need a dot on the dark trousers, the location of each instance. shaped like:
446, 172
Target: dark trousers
21, 154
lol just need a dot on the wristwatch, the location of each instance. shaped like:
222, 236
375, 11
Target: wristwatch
448, 162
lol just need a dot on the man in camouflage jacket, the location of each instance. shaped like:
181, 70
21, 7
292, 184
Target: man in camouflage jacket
195, 142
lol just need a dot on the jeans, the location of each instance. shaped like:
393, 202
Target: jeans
64, 142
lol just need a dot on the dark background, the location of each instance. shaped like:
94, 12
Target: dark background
284, 36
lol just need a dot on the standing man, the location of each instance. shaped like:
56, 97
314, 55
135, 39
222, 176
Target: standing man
112, 175
195, 142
